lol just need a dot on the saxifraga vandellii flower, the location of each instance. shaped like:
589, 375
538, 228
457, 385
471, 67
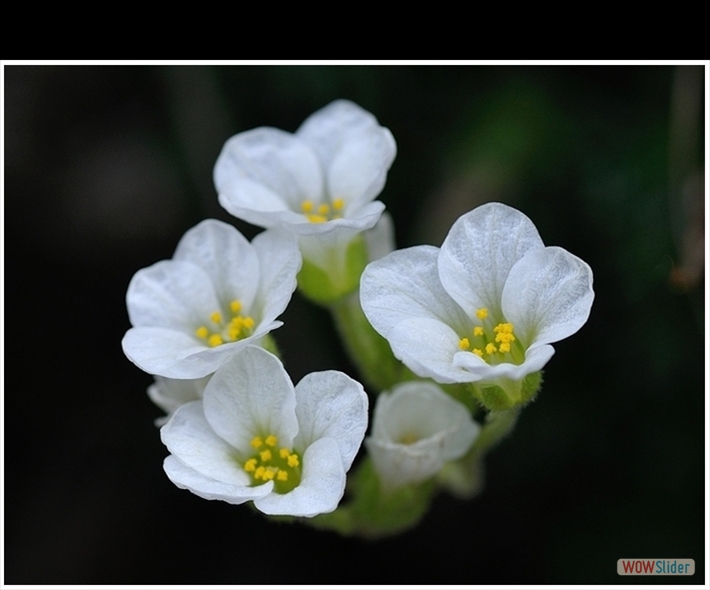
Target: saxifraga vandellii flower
256, 437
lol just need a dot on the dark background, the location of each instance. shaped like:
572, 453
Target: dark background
107, 166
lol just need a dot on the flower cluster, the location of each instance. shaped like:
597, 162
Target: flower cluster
448, 333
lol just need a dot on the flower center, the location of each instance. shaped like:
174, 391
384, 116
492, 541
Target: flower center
270, 463
493, 343
220, 330
324, 211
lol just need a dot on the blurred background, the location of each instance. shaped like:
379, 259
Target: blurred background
107, 166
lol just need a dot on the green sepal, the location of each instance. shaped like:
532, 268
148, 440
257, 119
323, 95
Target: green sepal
506, 394
342, 277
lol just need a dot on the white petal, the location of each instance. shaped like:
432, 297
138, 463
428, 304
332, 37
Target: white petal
403, 285
329, 404
422, 411
380, 239
535, 359
190, 438
226, 256
160, 351
279, 261
322, 484
427, 346
399, 465
171, 294
479, 251
548, 295
170, 394
251, 394
267, 170
188, 479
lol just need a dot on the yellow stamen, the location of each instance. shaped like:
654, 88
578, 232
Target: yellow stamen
256, 442
464, 344
324, 209
250, 465
202, 332
477, 352
317, 218
215, 340
271, 440
284, 452
482, 313
490, 348
307, 206
282, 475
293, 460
235, 306
504, 347
478, 331
216, 317
338, 204
265, 455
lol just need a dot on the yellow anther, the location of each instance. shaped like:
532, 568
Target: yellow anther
490, 348
477, 352
482, 313
505, 347
202, 332
317, 218
259, 473
265, 455
250, 465
307, 206
256, 442
478, 331
338, 204
324, 209
284, 452
268, 474
216, 317
235, 306
464, 344
282, 475
248, 322
271, 440
293, 460
215, 340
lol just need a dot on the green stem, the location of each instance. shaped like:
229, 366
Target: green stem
369, 351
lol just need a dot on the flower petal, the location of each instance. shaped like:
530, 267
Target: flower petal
251, 394
536, 358
427, 346
226, 256
187, 478
169, 353
190, 438
266, 170
404, 285
354, 149
479, 251
322, 484
172, 294
170, 394
329, 404
548, 295
279, 262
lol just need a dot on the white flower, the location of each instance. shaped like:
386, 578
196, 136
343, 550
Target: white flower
319, 181
256, 437
483, 308
218, 294
417, 428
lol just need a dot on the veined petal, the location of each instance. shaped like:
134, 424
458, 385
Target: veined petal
548, 295
170, 394
479, 251
283, 164
329, 404
251, 395
226, 256
279, 261
322, 484
405, 285
170, 353
536, 358
427, 346
171, 294
187, 478
190, 438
